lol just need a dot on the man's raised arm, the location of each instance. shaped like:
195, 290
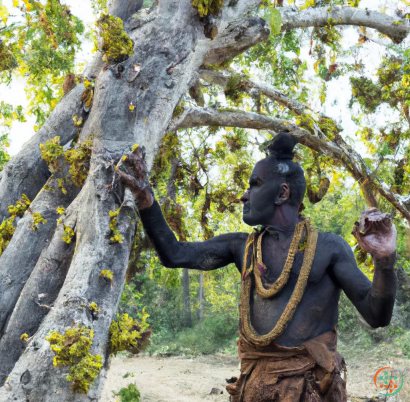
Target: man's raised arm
207, 255
374, 300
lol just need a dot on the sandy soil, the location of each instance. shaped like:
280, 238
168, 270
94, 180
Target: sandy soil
182, 379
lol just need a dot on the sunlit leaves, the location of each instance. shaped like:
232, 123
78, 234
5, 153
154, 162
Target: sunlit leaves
116, 45
273, 17
40, 47
4, 14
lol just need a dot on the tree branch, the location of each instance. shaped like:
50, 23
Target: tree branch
395, 28
358, 169
236, 39
239, 36
254, 88
340, 152
27, 172
196, 117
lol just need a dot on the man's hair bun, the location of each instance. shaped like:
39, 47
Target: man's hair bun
282, 146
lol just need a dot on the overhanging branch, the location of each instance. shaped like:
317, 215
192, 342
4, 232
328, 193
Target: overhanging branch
240, 35
395, 28
253, 88
197, 117
350, 159
236, 39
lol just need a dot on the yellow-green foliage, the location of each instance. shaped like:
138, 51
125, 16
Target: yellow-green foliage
37, 219
7, 59
116, 237
77, 158
6, 233
24, 337
116, 45
368, 94
206, 7
50, 151
7, 228
72, 350
94, 308
60, 210
179, 109
61, 185
233, 89
68, 234
107, 274
20, 207
126, 331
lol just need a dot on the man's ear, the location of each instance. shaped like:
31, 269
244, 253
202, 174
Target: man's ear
283, 194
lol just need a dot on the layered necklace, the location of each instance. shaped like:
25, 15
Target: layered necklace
258, 268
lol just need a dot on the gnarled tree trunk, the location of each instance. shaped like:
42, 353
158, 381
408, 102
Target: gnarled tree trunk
51, 285
46, 284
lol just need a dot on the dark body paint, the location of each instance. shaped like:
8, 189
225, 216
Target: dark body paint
334, 268
273, 199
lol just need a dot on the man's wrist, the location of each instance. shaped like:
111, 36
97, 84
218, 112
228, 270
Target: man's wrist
385, 262
144, 198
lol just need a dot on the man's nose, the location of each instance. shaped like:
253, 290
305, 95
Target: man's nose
245, 196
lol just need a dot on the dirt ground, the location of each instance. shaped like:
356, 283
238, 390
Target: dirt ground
183, 379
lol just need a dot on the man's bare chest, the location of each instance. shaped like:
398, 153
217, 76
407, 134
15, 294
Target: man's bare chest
275, 256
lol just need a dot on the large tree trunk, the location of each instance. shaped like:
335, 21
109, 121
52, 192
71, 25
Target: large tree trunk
45, 284
26, 173
55, 282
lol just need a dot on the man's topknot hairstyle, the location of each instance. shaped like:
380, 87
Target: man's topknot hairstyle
281, 158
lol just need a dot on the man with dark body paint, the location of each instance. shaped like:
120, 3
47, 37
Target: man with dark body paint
302, 363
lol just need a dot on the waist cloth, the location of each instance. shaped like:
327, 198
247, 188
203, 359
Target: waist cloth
310, 372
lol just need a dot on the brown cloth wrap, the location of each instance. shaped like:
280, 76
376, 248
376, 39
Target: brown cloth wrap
306, 373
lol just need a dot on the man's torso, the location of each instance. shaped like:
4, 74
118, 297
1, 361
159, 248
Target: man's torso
317, 312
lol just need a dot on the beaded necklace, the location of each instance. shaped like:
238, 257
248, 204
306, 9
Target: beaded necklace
258, 268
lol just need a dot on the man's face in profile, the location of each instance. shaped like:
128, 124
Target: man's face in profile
259, 199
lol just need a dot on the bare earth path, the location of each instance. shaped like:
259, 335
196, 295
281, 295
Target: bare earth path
182, 379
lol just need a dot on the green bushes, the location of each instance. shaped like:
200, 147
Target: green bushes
129, 394
216, 333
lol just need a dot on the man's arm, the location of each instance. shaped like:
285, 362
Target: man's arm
374, 300
207, 255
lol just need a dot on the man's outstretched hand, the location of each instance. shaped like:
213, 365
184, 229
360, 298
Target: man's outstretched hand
134, 174
376, 234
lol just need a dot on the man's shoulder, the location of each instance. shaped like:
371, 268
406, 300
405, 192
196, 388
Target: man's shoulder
234, 238
332, 242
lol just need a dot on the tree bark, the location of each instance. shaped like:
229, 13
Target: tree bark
36, 299
170, 46
27, 172
21, 255
395, 28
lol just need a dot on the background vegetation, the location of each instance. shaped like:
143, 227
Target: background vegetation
199, 174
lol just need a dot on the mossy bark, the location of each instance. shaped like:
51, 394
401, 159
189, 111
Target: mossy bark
170, 46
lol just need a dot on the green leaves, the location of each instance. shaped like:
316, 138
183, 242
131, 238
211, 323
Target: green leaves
127, 333
116, 45
129, 394
272, 15
40, 48
72, 350
206, 7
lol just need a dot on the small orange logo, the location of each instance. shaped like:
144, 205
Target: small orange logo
388, 381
